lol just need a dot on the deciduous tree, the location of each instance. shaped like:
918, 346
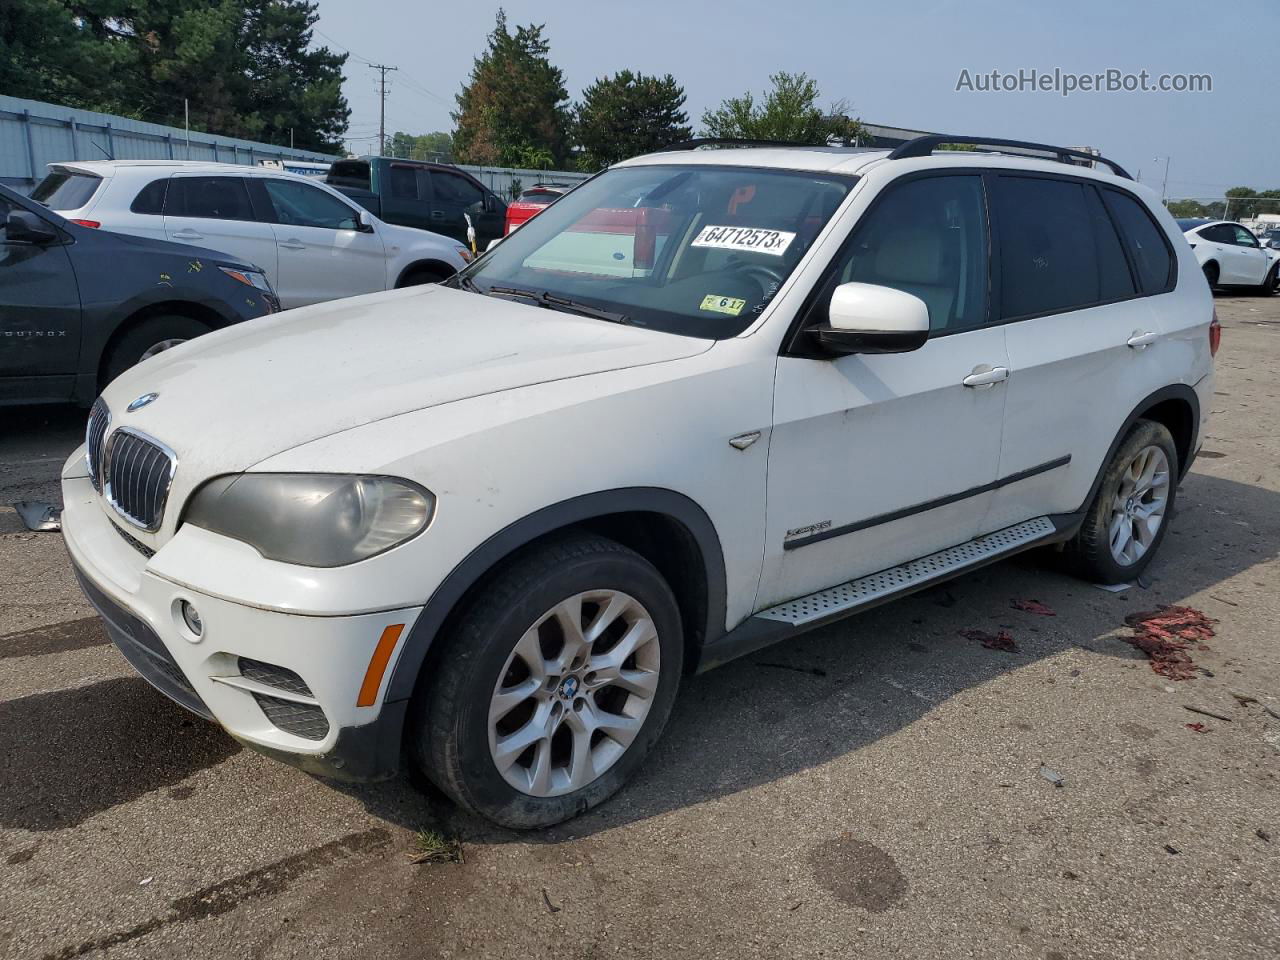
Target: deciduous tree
788, 112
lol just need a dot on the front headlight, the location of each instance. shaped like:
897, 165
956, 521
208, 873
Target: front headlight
317, 520
250, 278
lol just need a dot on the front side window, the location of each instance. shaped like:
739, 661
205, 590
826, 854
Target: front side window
209, 198
302, 205
1048, 247
928, 238
1243, 237
451, 188
693, 249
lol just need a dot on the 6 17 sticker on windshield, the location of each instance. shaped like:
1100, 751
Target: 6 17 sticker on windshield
753, 240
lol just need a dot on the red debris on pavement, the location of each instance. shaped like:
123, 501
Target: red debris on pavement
1165, 635
992, 641
1198, 727
1034, 606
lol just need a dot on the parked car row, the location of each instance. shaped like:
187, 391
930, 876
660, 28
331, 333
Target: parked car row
312, 243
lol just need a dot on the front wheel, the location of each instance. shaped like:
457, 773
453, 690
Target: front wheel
1211, 275
1269, 284
147, 339
553, 685
1129, 516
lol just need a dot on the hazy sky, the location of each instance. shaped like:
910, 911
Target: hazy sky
896, 62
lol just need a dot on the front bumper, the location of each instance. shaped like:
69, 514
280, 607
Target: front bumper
282, 683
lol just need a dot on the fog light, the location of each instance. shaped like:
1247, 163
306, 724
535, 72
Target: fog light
191, 618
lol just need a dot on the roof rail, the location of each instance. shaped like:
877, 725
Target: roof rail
924, 146
697, 142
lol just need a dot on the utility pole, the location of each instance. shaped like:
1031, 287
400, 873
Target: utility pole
382, 69
186, 119
1164, 186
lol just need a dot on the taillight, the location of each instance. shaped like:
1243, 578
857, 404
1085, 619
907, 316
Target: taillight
88, 223
1215, 335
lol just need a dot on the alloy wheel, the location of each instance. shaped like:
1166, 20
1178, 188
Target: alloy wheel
1138, 507
574, 693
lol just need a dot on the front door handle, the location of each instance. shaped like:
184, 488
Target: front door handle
187, 235
292, 245
984, 376
1142, 338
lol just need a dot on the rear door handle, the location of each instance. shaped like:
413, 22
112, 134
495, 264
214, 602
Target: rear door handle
985, 375
1142, 338
292, 244
187, 235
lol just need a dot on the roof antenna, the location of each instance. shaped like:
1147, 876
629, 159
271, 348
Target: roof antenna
104, 152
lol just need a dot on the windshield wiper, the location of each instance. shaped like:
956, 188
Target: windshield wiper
564, 304
465, 283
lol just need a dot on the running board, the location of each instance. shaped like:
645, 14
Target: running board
834, 603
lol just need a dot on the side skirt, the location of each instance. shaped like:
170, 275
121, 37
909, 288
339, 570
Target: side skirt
794, 617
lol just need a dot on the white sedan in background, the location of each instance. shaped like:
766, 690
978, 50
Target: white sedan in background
1230, 255
312, 243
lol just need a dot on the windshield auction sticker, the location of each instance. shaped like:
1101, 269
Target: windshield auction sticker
730, 305
749, 239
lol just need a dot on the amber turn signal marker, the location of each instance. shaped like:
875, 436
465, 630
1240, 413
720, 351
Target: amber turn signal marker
378, 665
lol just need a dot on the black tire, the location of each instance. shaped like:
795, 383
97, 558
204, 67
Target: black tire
145, 336
422, 276
1269, 284
449, 721
1211, 274
1089, 553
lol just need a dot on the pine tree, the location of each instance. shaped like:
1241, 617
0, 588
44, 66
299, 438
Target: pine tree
513, 112
626, 115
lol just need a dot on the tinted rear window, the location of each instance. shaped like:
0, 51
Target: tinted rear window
349, 173
66, 189
212, 198
1048, 247
1146, 242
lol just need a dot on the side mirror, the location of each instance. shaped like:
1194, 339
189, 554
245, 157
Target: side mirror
23, 226
364, 222
866, 318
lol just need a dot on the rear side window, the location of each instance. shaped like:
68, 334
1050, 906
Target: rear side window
150, 199
66, 189
1147, 246
1115, 282
1048, 247
209, 198
404, 182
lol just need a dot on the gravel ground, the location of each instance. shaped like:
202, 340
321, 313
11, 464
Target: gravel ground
874, 790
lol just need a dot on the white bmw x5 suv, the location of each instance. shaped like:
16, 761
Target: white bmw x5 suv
709, 400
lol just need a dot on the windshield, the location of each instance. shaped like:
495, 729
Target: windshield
693, 250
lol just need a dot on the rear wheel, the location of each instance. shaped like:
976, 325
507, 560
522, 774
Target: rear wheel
1211, 274
554, 684
1129, 516
146, 339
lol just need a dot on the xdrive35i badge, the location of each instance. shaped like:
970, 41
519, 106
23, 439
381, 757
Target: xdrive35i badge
141, 402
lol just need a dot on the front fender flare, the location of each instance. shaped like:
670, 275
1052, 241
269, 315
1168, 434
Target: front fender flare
502, 544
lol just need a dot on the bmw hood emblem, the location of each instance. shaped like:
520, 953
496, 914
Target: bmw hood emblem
141, 402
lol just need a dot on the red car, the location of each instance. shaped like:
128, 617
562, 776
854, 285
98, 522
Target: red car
531, 202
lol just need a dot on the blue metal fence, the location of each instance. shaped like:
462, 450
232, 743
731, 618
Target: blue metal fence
34, 134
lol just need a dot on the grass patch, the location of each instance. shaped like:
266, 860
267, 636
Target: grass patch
432, 846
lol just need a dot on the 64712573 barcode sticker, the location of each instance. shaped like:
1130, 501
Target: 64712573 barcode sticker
747, 239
